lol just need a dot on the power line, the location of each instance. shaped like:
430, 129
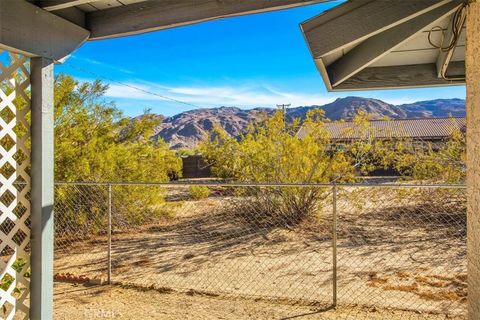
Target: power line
131, 86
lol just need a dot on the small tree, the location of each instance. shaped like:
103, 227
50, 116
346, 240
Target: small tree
199, 192
271, 152
95, 142
444, 161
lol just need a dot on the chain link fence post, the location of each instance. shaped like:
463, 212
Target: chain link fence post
334, 243
109, 257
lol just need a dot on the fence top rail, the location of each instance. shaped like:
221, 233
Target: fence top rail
262, 184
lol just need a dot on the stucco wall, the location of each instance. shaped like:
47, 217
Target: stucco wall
473, 158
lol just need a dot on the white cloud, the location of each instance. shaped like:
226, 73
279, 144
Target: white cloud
245, 96
100, 63
399, 101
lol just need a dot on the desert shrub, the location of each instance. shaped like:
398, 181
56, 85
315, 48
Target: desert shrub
137, 204
444, 161
95, 142
80, 210
272, 152
199, 192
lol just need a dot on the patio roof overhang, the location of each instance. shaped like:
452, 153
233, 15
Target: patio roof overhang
55, 28
379, 44
361, 44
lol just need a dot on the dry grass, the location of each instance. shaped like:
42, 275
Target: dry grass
403, 274
439, 295
375, 280
428, 287
402, 287
430, 282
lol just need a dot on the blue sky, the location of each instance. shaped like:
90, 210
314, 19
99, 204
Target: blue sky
249, 61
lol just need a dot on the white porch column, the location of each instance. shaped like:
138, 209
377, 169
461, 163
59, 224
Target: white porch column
41, 296
473, 158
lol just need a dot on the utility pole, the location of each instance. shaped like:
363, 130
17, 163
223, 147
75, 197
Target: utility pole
284, 107
284, 110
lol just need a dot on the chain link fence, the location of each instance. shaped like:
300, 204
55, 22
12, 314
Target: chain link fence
403, 248
373, 246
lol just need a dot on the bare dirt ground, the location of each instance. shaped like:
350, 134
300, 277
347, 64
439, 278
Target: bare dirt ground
219, 262
110, 302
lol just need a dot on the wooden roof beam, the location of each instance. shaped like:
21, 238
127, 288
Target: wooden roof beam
356, 21
53, 5
154, 15
408, 76
27, 29
383, 43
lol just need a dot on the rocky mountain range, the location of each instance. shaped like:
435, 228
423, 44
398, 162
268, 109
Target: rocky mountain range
187, 129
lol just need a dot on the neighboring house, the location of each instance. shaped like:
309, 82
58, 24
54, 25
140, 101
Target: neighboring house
422, 130
432, 130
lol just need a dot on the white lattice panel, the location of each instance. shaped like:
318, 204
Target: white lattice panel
14, 186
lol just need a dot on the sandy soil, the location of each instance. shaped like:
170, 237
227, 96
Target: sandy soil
107, 302
392, 253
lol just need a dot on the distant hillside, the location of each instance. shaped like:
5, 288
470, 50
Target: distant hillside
187, 129
435, 108
347, 108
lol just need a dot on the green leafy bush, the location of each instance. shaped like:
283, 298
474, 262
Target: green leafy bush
199, 192
272, 152
434, 162
95, 142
